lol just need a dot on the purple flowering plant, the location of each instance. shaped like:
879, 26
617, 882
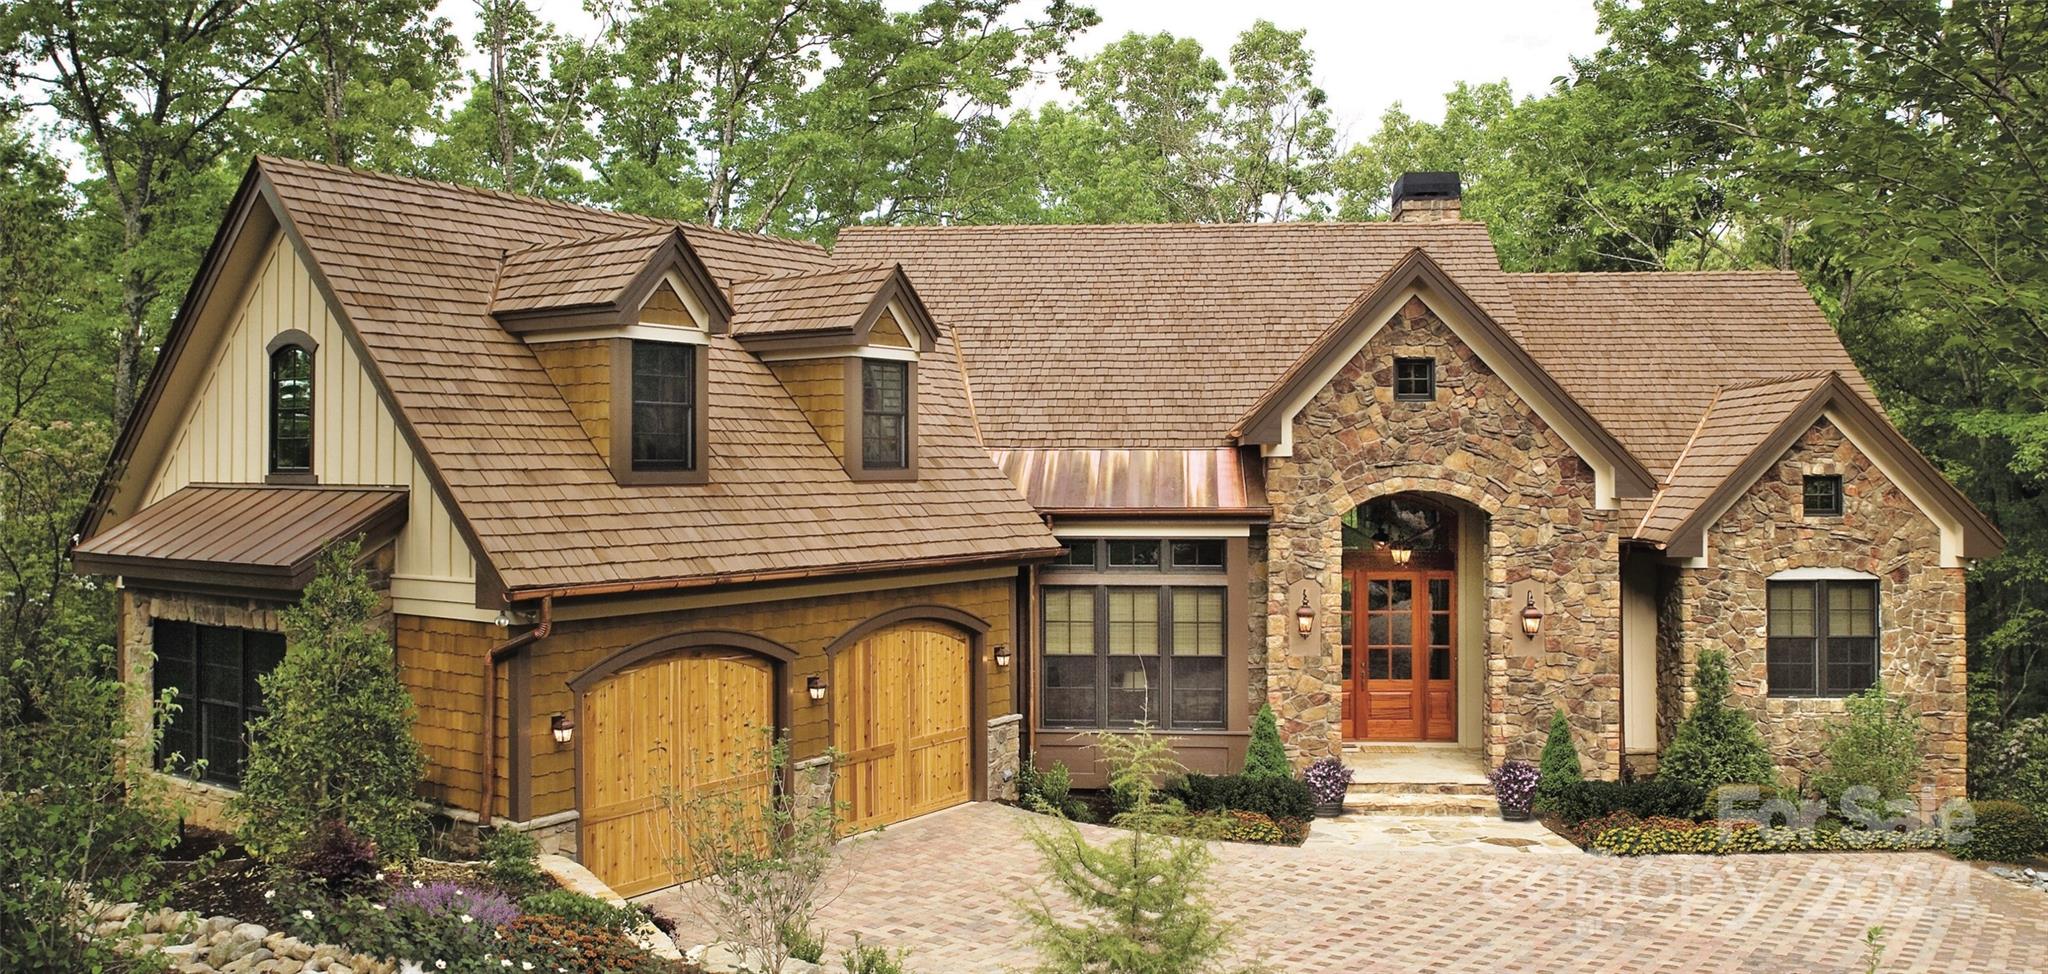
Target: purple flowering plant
445, 899
1514, 785
1328, 779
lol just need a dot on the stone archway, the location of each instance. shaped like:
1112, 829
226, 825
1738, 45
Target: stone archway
1411, 638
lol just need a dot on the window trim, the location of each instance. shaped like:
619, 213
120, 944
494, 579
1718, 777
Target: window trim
291, 338
1429, 379
1806, 484
856, 408
621, 440
902, 458
1821, 636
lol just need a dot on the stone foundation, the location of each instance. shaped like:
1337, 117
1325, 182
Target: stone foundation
1005, 756
811, 784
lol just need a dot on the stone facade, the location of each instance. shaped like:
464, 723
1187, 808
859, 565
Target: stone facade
1481, 444
1005, 756
1921, 647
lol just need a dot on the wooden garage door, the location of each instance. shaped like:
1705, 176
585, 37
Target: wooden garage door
900, 719
689, 722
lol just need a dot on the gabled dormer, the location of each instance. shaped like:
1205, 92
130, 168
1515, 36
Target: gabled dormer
846, 344
623, 324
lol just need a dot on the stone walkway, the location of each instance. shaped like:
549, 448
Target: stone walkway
948, 886
1434, 833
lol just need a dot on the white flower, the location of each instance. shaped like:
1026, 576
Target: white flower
379, 907
416, 884
306, 914
270, 894
526, 965
440, 965
504, 963
380, 875
466, 918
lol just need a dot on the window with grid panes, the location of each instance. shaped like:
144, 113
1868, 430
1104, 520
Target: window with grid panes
1159, 652
1822, 637
214, 671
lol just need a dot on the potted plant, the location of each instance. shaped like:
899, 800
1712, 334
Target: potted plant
1328, 779
1514, 786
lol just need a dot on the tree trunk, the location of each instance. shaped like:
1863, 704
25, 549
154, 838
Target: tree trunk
499, 112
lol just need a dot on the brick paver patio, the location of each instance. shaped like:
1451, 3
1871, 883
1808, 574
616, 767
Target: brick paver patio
946, 887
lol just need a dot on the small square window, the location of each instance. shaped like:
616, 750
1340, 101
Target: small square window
1415, 379
1080, 553
1134, 554
1823, 496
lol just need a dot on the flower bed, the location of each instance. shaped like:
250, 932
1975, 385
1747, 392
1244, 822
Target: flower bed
1619, 835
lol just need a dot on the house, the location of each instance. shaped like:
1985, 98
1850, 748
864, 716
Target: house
941, 495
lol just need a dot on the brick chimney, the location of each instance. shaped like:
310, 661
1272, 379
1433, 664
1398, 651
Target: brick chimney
1426, 197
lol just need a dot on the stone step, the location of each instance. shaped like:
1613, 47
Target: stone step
1448, 787
1385, 803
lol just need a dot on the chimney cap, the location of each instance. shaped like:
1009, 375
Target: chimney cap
1425, 186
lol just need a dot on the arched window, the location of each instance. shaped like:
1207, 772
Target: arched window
291, 409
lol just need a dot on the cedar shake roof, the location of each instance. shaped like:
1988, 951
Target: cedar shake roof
809, 301
1736, 425
245, 535
1150, 337
579, 272
410, 267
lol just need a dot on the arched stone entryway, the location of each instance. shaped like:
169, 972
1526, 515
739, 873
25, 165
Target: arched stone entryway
1410, 637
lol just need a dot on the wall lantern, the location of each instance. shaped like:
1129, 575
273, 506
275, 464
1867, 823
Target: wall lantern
815, 686
1532, 618
563, 727
1401, 553
1002, 654
1304, 618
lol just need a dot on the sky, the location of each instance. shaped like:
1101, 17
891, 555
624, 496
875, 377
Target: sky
1370, 54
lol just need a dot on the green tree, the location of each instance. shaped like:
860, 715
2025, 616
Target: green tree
1559, 767
522, 128
1716, 744
335, 744
1874, 745
1276, 140
362, 89
1265, 756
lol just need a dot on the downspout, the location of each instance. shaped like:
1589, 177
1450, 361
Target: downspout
498, 655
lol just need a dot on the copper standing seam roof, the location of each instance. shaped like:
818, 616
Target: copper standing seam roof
242, 535
1217, 482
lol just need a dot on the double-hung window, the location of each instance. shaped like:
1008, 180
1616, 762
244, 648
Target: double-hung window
884, 414
1823, 637
214, 670
1134, 632
664, 406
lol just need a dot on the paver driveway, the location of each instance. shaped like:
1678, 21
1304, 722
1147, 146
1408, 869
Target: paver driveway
946, 887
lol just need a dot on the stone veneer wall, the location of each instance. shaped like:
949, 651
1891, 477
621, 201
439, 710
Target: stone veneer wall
1257, 572
1481, 444
1921, 648
1005, 756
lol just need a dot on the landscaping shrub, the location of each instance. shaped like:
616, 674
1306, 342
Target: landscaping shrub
1751, 801
512, 861
1050, 791
1252, 827
585, 910
1716, 744
804, 944
2016, 765
864, 958
338, 858
1579, 801
2004, 831
1679, 836
1875, 745
1265, 756
1559, 765
556, 943
1275, 798
335, 744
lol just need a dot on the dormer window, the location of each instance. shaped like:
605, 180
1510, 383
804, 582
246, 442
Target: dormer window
659, 431
291, 408
885, 414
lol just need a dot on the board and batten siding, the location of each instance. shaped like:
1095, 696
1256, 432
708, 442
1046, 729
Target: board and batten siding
222, 437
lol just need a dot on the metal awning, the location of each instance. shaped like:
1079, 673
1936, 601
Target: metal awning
240, 536
1217, 482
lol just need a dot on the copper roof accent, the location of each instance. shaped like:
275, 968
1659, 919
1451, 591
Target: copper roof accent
410, 268
239, 535
1216, 481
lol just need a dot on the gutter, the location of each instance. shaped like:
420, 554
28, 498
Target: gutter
547, 595
492, 663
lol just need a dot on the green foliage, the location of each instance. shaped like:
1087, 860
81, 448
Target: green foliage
755, 858
1277, 798
1580, 801
1875, 745
1676, 836
586, 910
863, 958
1716, 744
1137, 761
2002, 831
1265, 757
336, 744
512, 860
1138, 902
1049, 791
804, 943
1559, 765
2016, 765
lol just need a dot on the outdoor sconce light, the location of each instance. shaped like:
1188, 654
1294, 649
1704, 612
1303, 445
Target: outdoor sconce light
1401, 553
1304, 618
815, 686
1532, 618
563, 727
1002, 654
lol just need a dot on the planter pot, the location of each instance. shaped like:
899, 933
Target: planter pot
1514, 814
1329, 809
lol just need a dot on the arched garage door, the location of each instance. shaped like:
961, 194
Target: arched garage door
901, 713
688, 721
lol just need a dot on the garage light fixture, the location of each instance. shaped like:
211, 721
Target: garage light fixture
815, 685
1532, 618
1002, 654
1304, 618
563, 727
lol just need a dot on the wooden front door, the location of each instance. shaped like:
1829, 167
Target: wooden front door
1401, 659
688, 725
901, 712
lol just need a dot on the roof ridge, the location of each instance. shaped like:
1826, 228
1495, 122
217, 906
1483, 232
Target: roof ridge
1671, 475
1771, 380
597, 238
880, 228
1658, 274
849, 267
